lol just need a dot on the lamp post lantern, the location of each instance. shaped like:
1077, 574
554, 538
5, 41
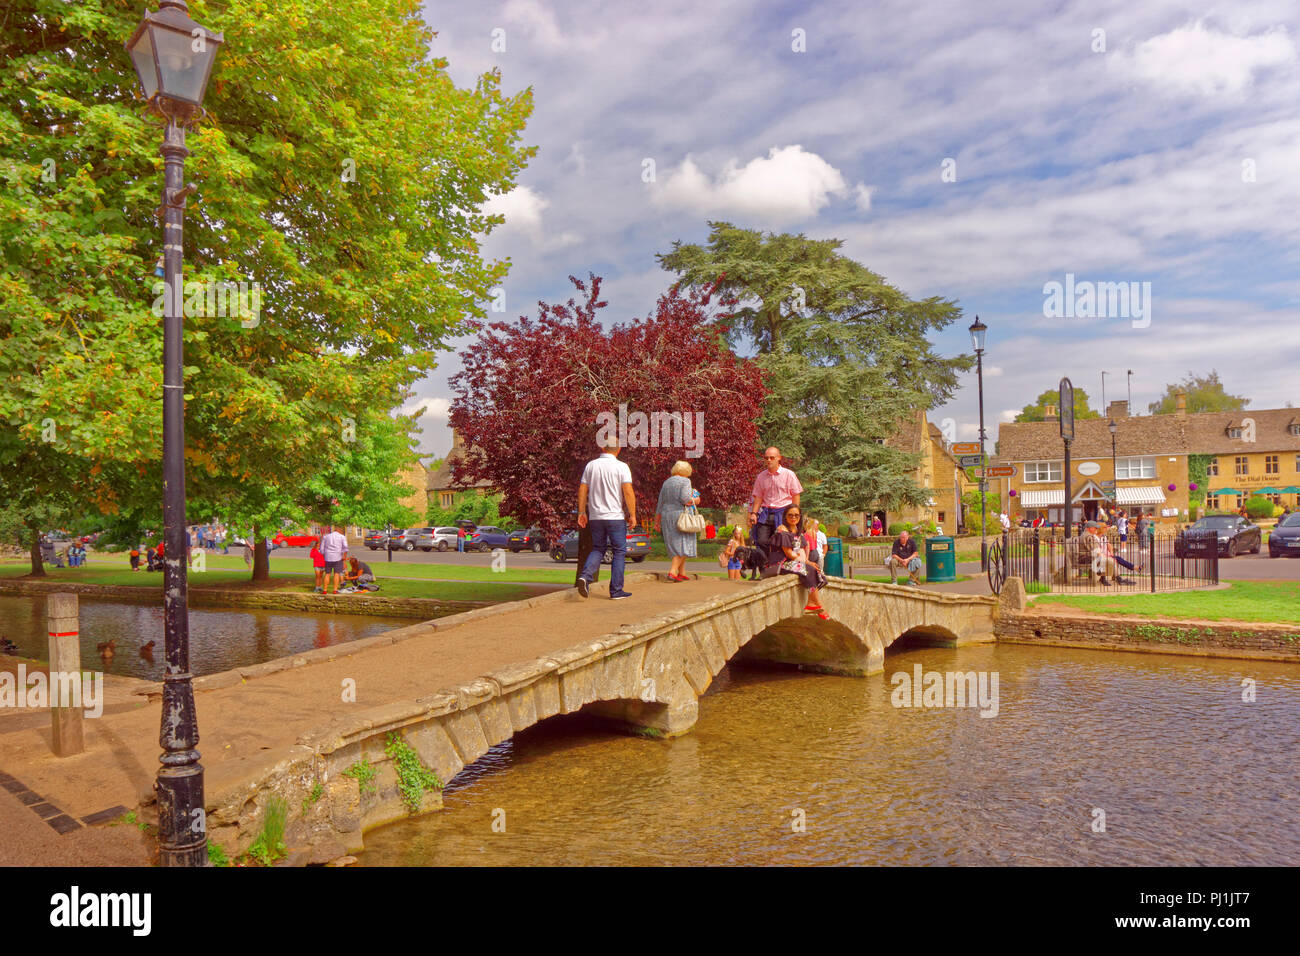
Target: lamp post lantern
173, 59
978, 331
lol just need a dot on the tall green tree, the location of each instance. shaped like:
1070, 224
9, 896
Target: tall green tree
340, 171
1036, 411
847, 356
1205, 393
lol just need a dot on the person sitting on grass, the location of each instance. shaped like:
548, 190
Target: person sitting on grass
359, 577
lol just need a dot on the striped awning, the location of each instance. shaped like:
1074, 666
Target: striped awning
1144, 495
1042, 499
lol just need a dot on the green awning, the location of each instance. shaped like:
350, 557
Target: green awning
1290, 490
1267, 491
1224, 491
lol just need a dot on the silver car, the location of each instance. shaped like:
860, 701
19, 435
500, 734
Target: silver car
443, 539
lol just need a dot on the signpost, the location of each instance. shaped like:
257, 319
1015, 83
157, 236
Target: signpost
1066, 398
966, 448
1000, 471
970, 461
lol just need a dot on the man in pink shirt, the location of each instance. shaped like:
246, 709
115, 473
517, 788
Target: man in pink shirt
775, 489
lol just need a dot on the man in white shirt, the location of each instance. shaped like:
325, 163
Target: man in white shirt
606, 487
334, 548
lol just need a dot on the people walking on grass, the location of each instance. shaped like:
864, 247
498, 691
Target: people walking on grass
318, 566
789, 541
334, 548
675, 496
903, 555
732, 545
877, 528
604, 493
776, 489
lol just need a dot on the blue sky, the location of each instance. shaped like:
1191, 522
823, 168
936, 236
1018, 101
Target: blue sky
1163, 149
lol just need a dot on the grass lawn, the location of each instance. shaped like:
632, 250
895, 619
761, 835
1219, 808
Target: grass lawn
1271, 601
229, 571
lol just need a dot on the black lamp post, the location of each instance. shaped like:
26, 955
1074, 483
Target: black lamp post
978, 330
1114, 469
173, 58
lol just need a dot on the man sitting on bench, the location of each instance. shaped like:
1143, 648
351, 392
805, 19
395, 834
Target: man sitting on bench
903, 555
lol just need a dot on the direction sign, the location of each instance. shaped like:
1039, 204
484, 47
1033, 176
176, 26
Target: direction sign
1108, 484
1066, 398
967, 461
966, 448
1000, 471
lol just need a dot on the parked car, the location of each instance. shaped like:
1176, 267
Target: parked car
283, 540
376, 540
1235, 534
638, 548
443, 539
529, 539
486, 537
1284, 539
409, 539
465, 523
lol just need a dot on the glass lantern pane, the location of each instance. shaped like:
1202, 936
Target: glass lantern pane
182, 71
142, 57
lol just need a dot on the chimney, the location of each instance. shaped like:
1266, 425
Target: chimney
1182, 403
1049, 413
1117, 410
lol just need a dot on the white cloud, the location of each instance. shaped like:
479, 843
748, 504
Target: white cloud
430, 407
1008, 414
522, 208
540, 25
789, 185
1197, 60
992, 371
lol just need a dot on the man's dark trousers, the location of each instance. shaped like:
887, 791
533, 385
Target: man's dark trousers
584, 549
607, 536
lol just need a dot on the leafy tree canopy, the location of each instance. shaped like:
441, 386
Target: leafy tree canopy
1036, 411
1205, 393
847, 357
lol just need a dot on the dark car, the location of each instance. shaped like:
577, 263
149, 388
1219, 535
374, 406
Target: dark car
638, 548
486, 537
1284, 540
529, 539
1234, 535
375, 540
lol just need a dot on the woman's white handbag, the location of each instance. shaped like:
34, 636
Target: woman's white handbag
691, 521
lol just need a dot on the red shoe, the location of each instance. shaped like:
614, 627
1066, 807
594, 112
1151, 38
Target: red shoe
674, 577
812, 607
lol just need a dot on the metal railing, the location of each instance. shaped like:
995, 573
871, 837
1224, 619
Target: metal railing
1103, 563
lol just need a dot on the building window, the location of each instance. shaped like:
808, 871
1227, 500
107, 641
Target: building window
1270, 465
1243, 465
1234, 432
1294, 429
1043, 471
941, 517
1135, 467
1212, 469
448, 499
1211, 502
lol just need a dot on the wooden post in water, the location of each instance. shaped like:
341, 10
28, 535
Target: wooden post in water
65, 665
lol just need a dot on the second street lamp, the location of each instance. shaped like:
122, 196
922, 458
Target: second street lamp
1114, 470
978, 330
173, 58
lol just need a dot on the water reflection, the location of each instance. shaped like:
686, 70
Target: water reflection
219, 640
1186, 772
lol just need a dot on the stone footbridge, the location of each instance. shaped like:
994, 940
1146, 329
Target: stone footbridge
318, 730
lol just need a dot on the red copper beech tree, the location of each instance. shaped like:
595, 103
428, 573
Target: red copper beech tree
534, 395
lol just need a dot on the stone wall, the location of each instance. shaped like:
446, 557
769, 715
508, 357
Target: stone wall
1131, 633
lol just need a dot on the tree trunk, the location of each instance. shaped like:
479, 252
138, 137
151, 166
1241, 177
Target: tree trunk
261, 561
38, 566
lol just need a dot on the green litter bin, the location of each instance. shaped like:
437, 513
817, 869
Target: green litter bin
940, 559
834, 557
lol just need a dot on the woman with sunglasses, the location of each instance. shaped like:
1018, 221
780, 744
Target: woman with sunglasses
790, 540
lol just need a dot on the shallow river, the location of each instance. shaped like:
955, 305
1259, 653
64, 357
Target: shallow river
787, 768
219, 640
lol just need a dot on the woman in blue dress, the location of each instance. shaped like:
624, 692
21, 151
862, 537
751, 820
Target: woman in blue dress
676, 496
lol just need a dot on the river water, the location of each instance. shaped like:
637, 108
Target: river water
219, 639
789, 768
